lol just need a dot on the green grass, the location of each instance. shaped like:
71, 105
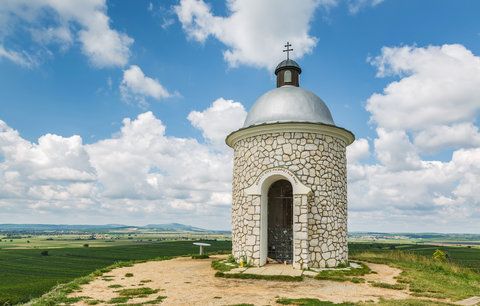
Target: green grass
222, 266
398, 286
156, 301
25, 274
118, 299
406, 302
282, 278
198, 256
137, 292
317, 302
462, 256
143, 281
343, 275
427, 277
357, 280
309, 302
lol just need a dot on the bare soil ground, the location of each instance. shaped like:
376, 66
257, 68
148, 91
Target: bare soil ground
185, 281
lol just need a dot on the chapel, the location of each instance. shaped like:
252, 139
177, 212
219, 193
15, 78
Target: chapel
289, 197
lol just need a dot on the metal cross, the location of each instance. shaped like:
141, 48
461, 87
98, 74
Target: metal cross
287, 46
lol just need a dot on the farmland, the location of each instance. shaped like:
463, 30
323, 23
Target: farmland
26, 274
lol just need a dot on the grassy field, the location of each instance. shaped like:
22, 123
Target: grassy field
462, 256
427, 277
25, 273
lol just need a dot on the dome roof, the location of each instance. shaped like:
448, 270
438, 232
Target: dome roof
288, 104
288, 63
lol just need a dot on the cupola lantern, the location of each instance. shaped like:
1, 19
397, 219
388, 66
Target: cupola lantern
288, 71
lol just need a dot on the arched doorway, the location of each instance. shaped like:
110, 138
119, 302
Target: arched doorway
280, 221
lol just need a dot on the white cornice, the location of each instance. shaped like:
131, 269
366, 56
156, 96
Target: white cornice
292, 127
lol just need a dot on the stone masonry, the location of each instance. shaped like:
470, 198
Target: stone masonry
318, 161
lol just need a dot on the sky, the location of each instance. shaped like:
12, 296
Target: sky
116, 111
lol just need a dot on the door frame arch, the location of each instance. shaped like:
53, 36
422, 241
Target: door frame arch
300, 192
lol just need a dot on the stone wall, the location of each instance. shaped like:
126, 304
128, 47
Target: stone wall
319, 162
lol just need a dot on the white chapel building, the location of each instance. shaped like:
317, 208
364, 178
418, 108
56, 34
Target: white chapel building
290, 179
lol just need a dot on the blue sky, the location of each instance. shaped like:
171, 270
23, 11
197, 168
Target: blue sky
75, 82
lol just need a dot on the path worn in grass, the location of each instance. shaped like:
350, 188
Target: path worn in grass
185, 281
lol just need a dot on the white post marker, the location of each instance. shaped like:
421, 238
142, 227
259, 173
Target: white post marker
201, 245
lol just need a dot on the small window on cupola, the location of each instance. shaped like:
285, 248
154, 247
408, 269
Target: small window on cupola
287, 76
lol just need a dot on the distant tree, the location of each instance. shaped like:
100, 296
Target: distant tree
28, 241
86, 245
440, 255
392, 247
44, 253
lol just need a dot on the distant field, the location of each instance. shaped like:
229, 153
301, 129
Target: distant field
101, 240
25, 273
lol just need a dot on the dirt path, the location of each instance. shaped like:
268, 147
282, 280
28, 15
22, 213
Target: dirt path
385, 274
191, 282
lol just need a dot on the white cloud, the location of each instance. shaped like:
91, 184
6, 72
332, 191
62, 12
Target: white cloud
19, 58
395, 151
52, 165
68, 20
254, 31
137, 86
431, 108
60, 35
139, 175
459, 135
358, 150
158, 167
438, 86
440, 196
354, 6
217, 121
